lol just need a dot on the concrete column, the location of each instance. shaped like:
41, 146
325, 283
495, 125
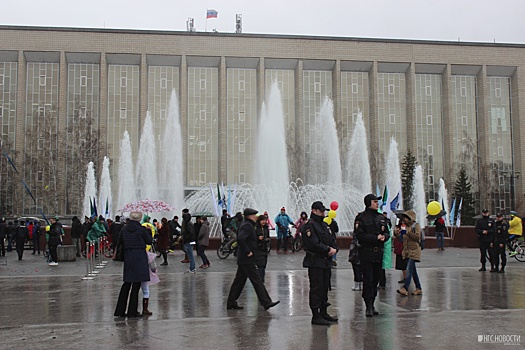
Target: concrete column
373, 127
222, 122
483, 122
183, 88
449, 172
410, 77
143, 91
61, 127
261, 84
18, 146
518, 133
299, 171
103, 112
336, 97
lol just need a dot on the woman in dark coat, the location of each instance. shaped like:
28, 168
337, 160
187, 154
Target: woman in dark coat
136, 270
164, 240
263, 239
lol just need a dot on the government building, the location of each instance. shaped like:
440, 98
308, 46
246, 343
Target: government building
68, 94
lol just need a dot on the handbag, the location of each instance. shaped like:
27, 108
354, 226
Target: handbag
118, 255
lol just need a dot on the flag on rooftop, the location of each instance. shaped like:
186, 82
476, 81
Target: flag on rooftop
211, 14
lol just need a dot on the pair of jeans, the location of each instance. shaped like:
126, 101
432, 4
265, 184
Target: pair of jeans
411, 274
77, 244
440, 237
200, 251
188, 249
36, 243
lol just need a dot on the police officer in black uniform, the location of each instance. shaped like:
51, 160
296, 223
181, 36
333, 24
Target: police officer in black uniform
501, 234
319, 245
371, 231
485, 231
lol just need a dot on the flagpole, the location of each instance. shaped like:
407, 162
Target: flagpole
206, 25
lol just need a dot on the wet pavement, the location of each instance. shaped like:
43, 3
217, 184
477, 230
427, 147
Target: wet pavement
43, 307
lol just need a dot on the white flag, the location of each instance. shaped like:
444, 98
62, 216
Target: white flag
458, 218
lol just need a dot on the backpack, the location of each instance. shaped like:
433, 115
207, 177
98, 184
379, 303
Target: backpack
422, 238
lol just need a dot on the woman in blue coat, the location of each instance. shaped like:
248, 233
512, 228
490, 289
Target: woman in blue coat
134, 238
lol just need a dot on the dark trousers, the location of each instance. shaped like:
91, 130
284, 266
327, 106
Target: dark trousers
319, 284
123, 299
200, 251
497, 251
244, 272
20, 247
371, 273
53, 244
382, 278
2, 244
358, 275
484, 248
36, 243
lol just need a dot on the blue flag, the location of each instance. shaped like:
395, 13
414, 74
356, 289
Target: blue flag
452, 212
394, 205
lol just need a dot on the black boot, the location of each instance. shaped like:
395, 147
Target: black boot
374, 311
482, 268
279, 244
369, 307
502, 270
326, 316
493, 269
318, 319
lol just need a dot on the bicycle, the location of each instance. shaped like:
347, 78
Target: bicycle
516, 249
297, 241
226, 249
105, 246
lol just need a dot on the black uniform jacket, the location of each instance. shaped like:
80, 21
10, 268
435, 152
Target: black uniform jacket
501, 232
367, 225
317, 241
247, 241
485, 223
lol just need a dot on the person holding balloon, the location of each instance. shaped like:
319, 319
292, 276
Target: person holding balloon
334, 229
371, 230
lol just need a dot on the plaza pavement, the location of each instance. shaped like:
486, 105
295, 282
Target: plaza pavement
45, 307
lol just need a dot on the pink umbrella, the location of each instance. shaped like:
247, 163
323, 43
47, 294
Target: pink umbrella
147, 206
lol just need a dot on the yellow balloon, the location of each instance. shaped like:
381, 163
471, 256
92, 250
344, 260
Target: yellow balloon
434, 208
332, 214
328, 220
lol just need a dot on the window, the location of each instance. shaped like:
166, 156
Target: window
392, 118
1, 111
242, 177
428, 90
1, 79
464, 120
317, 87
82, 112
162, 114
40, 143
123, 113
202, 116
391, 89
41, 111
497, 92
202, 177
354, 117
317, 148
202, 146
501, 180
42, 80
241, 116
463, 91
355, 88
241, 85
500, 151
203, 84
83, 80
163, 83
429, 120
430, 179
123, 82
502, 203
241, 147
430, 150
40, 176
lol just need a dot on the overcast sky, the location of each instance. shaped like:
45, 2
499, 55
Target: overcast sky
451, 20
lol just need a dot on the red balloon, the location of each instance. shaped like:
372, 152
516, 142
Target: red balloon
334, 205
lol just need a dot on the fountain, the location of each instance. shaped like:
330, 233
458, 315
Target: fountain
393, 175
126, 183
271, 141
443, 199
90, 191
146, 169
419, 200
171, 166
358, 166
105, 199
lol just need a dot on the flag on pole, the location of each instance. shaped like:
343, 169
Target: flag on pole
214, 201
394, 205
211, 14
223, 196
107, 207
385, 196
219, 200
458, 219
452, 210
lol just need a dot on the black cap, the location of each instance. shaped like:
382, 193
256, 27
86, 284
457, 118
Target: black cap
249, 211
499, 215
371, 197
185, 210
319, 206
485, 211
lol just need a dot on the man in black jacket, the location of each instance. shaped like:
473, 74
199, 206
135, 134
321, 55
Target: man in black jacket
501, 234
247, 247
485, 231
22, 234
371, 230
319, 245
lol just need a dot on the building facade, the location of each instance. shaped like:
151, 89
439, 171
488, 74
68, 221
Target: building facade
67, 95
